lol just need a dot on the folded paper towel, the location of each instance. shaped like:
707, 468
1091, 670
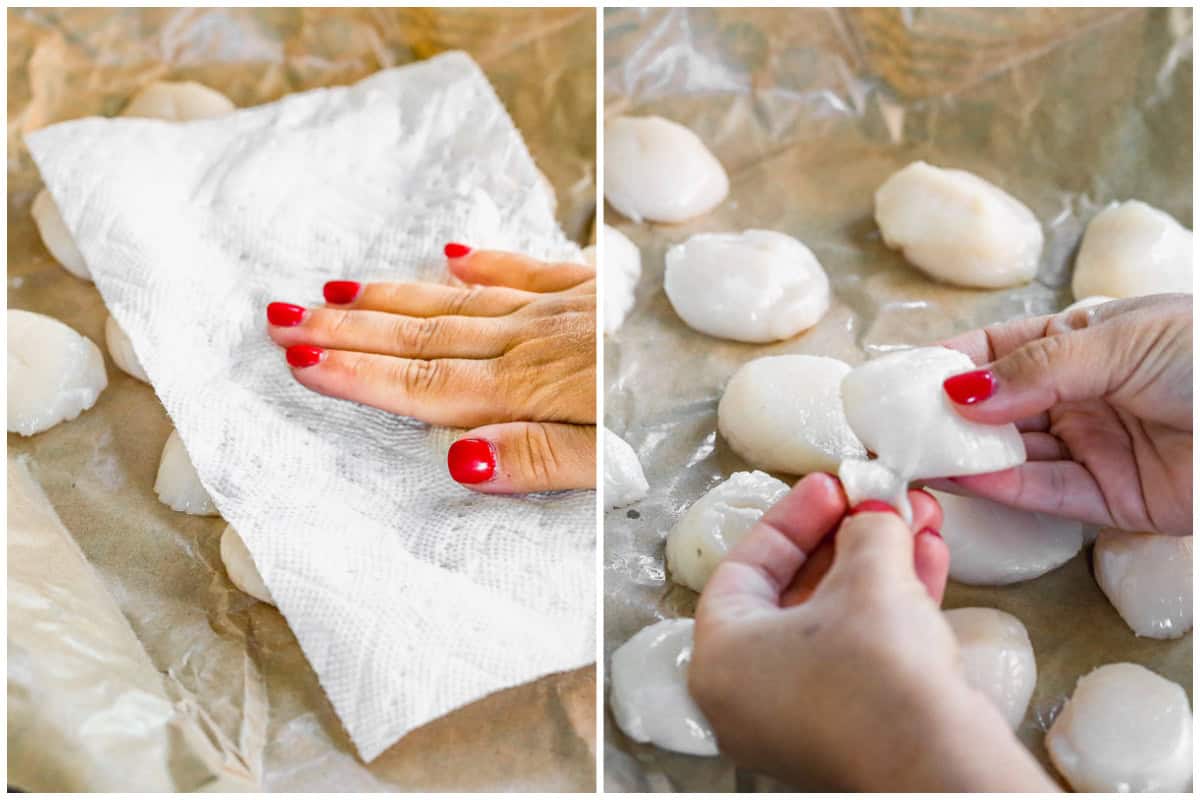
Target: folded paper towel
409, 594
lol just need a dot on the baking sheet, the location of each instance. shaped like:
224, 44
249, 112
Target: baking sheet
810, 110
245, 708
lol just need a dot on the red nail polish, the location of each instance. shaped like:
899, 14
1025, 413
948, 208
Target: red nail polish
471, 460
970, 387
304, 355
285, 315
455, 250
873, 506
931, 532
341, 292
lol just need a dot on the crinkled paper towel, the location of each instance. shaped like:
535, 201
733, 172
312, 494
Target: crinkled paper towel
410, 595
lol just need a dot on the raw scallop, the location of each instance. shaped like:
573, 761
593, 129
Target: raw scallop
784, 414
1148, 579
1125, 729
992, 544
56, 237
1133, 249
178, 101
658, 170
239, 565
716, 522
958, 228
754, 286
997, 658
624, 480
650, 699
54, 374
121, 350
178, 485
622, 270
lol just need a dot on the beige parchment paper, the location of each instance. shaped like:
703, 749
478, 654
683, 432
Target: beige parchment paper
810, 110
133, 662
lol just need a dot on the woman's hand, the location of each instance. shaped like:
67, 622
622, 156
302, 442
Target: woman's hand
840, 667
514, 353
1103, 396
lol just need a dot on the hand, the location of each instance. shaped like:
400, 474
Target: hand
514, 353
1103, 396
841, 668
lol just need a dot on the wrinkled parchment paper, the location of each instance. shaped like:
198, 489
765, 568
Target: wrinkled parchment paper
193, 685
809, 111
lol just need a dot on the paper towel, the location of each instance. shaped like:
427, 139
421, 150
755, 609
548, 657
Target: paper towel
409, 594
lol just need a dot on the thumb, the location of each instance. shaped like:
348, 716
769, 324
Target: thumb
1038, 375
519, 457
498, 268
872, 546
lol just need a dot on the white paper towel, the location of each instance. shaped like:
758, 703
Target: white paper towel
409, 594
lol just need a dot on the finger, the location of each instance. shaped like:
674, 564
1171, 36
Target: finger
931, 560
426, 299
987, 344
926, 511
1044, 447
873, 546
757, 571
811, 573
1038, 422
451, 392
521, 457
497, 268
1061, 488
389, 334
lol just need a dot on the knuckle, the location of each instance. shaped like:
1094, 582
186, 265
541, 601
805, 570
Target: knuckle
420, 377
334, 323
540, 461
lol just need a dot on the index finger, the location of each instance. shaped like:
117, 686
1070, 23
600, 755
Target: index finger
757, 571
984, 345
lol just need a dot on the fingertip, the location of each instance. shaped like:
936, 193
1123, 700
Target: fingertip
931, 560
926, 510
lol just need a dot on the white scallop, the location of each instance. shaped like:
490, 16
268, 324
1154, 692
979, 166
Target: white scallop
1089, 302
121, 350
1148, 579
239, 565
1125, 729
177, 485
624, 481
873, 480
658, 170
649, 697
958, 228
754, 286
1133, 249
992, 544
896, 406
996, 657
784, 414
54, 373
622, 271
178, 101
716, 522
56, 237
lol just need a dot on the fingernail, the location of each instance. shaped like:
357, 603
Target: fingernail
455, 250
286, 315
341, 292
471, 460
970, 387
873, 506
931, 532
304, 355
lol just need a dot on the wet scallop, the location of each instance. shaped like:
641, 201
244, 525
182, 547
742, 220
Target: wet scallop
1125, 729
56, 237
177, 485
997, 658
54, 373
239, 566
755, 286
1148, 579
660, 171
622, 271
1133, 249
784, 414
649, 697
178, 101
716, 522
121, 350
958, 228
624, 481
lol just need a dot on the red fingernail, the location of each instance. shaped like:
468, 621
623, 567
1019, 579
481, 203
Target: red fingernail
341, 292
455, 250
286, 315
304, 355
970, 387
872, 506
471, 460
931, 532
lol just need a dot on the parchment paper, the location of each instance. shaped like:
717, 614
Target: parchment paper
218, 681
809, 111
